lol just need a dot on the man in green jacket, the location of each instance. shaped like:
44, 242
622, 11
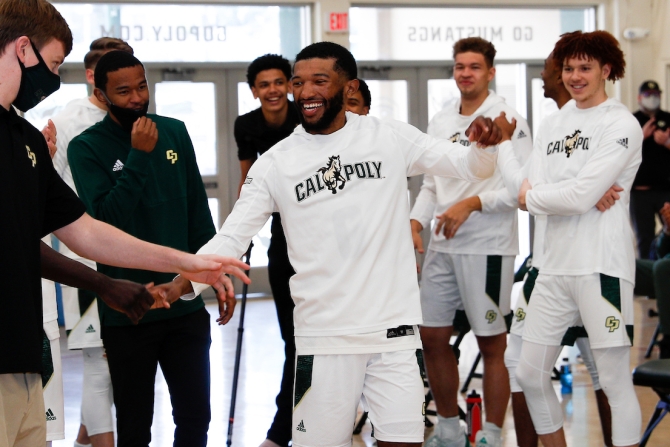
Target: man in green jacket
138, 172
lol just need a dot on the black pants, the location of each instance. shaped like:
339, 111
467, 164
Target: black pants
279, 272
181, 346
644, 206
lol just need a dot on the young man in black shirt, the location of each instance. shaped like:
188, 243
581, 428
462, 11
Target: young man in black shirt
651, 188
255, 133
34, 40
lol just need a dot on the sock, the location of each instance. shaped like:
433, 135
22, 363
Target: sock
448, 429
76, 444
493, 429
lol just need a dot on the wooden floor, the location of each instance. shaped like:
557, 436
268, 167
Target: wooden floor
261, 372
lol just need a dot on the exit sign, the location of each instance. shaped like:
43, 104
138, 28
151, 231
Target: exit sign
338, 22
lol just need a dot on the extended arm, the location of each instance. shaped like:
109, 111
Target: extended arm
106, 244
128, 297
250, 213
444, 158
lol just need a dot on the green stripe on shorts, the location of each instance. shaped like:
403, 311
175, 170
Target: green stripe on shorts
493, 277
47, 360
303, 377
529, 284
85, 298
572, 334
611, 290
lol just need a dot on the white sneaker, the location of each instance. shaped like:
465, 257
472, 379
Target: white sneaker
486, 439
435, 441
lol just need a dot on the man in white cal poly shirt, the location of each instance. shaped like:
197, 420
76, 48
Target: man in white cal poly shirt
339, 182
592, 143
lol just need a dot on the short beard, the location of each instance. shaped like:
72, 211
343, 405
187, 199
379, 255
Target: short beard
333, 107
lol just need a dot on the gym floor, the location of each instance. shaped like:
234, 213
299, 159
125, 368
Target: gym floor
260, 375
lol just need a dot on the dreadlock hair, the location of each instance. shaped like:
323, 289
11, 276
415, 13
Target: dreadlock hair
598, 45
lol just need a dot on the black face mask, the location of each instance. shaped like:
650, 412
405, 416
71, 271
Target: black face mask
37, 82
126, 117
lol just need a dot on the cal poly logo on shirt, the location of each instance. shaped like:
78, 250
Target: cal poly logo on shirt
172, 156
569, 144
333, 176
456, 138
31, 156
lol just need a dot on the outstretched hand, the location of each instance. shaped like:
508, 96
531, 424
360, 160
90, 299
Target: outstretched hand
225, 295
484, 132
506, 128
207, 269
128, 297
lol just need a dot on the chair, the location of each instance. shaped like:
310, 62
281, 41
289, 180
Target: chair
656, 375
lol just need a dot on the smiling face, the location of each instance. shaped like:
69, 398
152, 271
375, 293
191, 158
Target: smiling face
585, 81
126, 88
272, 88
472, 74
319, 93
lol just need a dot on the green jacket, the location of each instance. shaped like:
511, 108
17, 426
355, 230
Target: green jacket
158, 197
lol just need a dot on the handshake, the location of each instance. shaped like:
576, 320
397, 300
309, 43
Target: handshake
135, 300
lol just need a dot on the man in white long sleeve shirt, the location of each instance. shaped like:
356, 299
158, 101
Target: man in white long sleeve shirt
470, 259
523, 425
339, 182
588, 268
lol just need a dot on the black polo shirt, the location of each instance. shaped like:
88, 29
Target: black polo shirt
253, 135
654, 170
34, 202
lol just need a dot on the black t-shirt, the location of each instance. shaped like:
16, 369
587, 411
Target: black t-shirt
254, 137
34, 202
655, 168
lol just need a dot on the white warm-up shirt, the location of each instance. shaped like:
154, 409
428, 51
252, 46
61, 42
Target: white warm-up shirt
347, 229
579, 155
77, 116
494, 230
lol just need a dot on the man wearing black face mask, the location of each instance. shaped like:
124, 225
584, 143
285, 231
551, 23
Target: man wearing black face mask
651, 188
138, 172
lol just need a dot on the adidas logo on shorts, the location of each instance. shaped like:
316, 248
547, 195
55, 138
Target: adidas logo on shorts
50, 415
117, 166
90, 329
623, 142
522, 134
301, 427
